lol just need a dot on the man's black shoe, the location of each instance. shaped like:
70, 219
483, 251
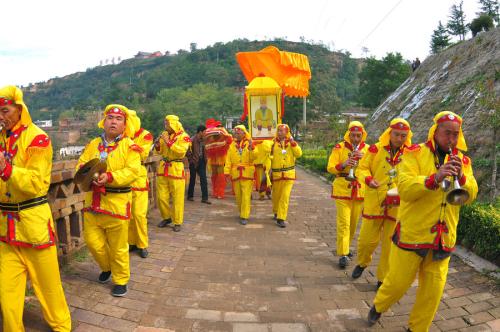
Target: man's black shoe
104, 277
373, 316
119, 290
143, 253
343, 261
165, 222
243, 221
132, 247
281, 223
177, 228
350, 255
206, 201
357, 272
190, 199
379, 283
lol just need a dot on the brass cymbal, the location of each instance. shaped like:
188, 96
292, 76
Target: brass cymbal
89, 172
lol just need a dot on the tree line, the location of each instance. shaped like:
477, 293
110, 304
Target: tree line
457, 26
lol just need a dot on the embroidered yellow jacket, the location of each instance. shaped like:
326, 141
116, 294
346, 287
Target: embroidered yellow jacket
173, 153
425, 220
123, 167
283, 156
343, 189
240, 161
376, 164
28, 151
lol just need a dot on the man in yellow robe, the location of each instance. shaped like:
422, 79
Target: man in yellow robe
138, 228
240, 169
378, 170
264, 116
284, 152
172, 146
426, 231
348, 195
27, 232
107, 209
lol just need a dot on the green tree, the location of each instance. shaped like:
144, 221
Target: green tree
456, 25
440, 39
490, 8
379, 78
481, 23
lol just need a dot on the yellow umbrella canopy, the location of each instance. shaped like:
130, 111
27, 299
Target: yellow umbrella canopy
290, 70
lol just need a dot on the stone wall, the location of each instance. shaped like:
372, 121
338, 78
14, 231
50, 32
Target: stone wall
66, 201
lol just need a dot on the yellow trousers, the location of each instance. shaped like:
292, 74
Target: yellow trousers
372, 232
431, 281
175, 188
41, 266
348, 213
243, 193
107, 241
281, 197
138, 227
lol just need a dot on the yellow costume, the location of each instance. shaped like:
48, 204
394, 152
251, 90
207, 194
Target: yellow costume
379, 210
138, 228
240, 166
27, 232
170, 172
263, 168
264, 116
426, 230
283, 155
107, 209
348, 195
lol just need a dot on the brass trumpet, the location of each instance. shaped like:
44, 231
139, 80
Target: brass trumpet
352, 176
457, 195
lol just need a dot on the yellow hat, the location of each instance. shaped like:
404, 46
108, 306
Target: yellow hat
446, 116
355, 126
174, 122
397, 123
121, 110
136, 121
242, 128
11, 94
288, 133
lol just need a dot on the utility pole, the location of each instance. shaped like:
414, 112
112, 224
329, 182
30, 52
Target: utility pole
304, 109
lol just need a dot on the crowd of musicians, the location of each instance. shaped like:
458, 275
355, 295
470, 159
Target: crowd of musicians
401, 192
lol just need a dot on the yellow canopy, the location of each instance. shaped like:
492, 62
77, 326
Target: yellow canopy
290, 70
263, 86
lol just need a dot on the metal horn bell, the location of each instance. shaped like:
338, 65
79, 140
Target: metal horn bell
458, 195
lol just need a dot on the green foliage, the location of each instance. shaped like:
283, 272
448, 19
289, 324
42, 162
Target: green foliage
193, 105
490, 8
479, 230
379, 78
138, 83
481, 23
440, 39
456, 25
315, 160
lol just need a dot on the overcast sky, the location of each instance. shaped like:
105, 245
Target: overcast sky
45, 39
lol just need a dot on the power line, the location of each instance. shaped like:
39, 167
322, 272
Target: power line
379, 23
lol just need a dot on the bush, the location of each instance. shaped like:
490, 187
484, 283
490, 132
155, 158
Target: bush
479, 230
483, 22
316, 161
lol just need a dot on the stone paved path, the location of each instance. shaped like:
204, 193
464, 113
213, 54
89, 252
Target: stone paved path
217, 275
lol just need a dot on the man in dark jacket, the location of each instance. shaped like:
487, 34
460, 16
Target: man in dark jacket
198, 164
